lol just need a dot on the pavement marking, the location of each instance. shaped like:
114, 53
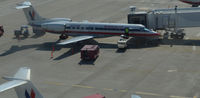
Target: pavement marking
108, 89
178, 97
145, 93
198, 35
81, 86
194, 48
195, 97
123, 91
171, 70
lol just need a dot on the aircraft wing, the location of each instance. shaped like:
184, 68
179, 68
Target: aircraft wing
11, 84
75, 39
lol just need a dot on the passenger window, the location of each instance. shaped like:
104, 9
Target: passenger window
68, 27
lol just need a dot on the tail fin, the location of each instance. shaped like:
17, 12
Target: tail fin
30, 13
22, 84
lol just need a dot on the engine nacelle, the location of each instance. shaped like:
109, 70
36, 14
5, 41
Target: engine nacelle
53, 27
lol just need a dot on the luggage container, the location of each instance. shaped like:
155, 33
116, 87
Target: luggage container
89, 52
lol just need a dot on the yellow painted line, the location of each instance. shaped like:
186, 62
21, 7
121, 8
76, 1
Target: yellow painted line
178, 97
195, 97
145, 93
108, 89
82, 86
55, 83
123, 91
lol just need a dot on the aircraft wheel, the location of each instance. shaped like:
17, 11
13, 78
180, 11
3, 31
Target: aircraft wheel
63, 36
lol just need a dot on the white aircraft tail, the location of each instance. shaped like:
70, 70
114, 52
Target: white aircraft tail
30, 13
22, 84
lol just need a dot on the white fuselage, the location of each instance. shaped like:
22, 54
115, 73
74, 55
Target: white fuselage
91, 28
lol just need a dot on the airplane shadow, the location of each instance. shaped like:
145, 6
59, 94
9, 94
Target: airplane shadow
75, 48
37, 35
43, 47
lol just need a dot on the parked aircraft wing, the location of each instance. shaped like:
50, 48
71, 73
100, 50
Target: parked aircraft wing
75, 39
11, 84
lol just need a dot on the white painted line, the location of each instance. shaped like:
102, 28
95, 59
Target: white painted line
178, 97
146, 93
171, 70
194, 48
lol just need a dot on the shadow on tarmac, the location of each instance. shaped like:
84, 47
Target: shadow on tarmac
75, 48
188, 42
87, 62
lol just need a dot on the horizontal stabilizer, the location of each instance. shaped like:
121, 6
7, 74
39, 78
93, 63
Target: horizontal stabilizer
23, 73
11, 84
20, 78
75, 39
23, 5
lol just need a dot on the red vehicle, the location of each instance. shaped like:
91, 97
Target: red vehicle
95, 96
89, 52
1, 30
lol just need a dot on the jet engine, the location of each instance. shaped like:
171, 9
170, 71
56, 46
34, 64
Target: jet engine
53, 27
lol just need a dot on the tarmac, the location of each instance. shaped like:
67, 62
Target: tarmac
170, 70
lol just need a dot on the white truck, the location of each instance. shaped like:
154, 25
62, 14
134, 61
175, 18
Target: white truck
122, 43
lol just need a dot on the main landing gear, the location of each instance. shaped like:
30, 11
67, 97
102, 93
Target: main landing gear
63, 36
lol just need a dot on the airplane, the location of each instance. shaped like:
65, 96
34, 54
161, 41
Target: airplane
82, 30
194, 3
22, 84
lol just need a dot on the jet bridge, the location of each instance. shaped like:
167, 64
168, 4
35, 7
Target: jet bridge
166, 19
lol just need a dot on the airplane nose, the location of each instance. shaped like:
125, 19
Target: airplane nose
156, 33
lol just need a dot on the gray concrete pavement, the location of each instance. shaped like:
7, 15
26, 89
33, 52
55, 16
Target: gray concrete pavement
152, 72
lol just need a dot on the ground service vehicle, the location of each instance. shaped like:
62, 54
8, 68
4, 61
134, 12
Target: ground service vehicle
89, 52
122, 43
1, 30
23, 31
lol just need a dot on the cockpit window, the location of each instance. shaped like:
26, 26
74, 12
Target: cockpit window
145, 29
